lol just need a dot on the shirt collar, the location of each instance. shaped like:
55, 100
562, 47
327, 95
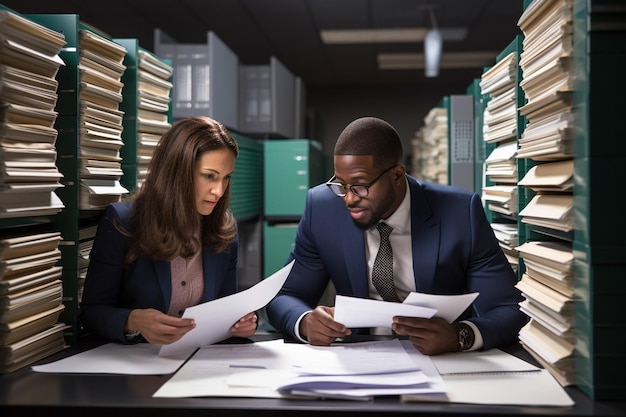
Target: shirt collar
400, 219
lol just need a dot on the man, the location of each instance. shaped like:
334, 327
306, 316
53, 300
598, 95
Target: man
441, 243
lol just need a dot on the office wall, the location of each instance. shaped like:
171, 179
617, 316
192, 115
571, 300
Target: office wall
331, 108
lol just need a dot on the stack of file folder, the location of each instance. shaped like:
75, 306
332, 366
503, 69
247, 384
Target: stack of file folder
500, 167
548, 80
153, 108
547, 286
431, 147
30, 299
29, 62
100, 120
500, 115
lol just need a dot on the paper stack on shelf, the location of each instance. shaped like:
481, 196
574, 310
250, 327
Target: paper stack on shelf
548, 80
86, 235
431, 147
547, 286
507, 236
500, 115
554, 177
29, 62
500, 167
551, 211
153, 108
100, 120
30, 299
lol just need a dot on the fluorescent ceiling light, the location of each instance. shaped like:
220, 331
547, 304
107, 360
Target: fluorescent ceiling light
397, 35
407, 61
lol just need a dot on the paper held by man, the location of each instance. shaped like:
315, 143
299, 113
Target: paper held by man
361, 312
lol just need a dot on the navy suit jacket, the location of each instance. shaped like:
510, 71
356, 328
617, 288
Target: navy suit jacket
111, 291
454, 252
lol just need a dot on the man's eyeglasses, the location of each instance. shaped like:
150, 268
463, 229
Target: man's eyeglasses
359, 190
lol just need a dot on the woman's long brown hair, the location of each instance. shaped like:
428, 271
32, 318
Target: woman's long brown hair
165, 222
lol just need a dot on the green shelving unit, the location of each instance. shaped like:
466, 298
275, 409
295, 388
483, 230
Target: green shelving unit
599, 166
247, 192
71, 220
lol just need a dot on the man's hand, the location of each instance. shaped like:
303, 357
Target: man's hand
245, 326
429, 336
320, 328
157, 327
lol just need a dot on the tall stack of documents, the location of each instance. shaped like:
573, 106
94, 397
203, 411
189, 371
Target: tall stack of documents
86, 235
500, 128
30, 299
29, 62
153, 108
100, 119
431, 147
549, 297
548, 80
547, 283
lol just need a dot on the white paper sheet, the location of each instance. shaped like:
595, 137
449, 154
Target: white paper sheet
448, 307
215, 318
116, 358
363, 312
376, 357
494, 377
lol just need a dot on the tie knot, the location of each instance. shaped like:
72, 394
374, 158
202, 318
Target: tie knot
384, 229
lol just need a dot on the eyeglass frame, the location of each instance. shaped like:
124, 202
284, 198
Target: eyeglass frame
347, 187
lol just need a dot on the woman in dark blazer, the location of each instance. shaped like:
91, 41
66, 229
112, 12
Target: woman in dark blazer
171, 245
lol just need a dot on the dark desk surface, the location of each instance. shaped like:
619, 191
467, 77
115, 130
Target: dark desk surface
25, 392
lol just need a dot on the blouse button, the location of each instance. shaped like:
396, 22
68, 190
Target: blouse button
183, 283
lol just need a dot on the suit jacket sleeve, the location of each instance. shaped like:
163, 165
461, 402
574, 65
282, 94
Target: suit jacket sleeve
102, 310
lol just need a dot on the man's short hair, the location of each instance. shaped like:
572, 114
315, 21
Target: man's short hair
371, 136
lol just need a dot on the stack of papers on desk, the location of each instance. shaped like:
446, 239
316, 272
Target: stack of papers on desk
275, 369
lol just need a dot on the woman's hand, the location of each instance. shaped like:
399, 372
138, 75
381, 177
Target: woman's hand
157, 327
245, 326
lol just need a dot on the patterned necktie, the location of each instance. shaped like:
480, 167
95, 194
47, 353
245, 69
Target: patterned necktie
382, 271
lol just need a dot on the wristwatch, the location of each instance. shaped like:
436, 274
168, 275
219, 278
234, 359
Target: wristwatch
466, 335
132, 335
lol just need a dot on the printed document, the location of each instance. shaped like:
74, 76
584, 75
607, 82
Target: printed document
215, 318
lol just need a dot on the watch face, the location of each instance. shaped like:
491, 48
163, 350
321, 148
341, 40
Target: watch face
464, 337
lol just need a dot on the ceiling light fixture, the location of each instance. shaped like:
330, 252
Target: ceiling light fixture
433, 45
450, 60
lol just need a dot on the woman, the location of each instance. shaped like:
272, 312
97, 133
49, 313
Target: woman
171, 245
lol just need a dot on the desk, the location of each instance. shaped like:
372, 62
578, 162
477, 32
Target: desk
27, 393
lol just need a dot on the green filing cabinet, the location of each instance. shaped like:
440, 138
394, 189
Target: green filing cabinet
291, 167
279, 241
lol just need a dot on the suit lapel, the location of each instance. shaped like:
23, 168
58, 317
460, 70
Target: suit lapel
425, 237
353, 242
164, 276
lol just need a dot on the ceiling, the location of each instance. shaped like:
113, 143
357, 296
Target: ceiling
289, 30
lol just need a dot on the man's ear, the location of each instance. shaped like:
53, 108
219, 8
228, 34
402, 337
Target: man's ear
399, 172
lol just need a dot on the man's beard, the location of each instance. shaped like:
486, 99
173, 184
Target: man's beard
365, 226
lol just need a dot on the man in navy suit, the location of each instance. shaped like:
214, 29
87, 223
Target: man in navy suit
441, 241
